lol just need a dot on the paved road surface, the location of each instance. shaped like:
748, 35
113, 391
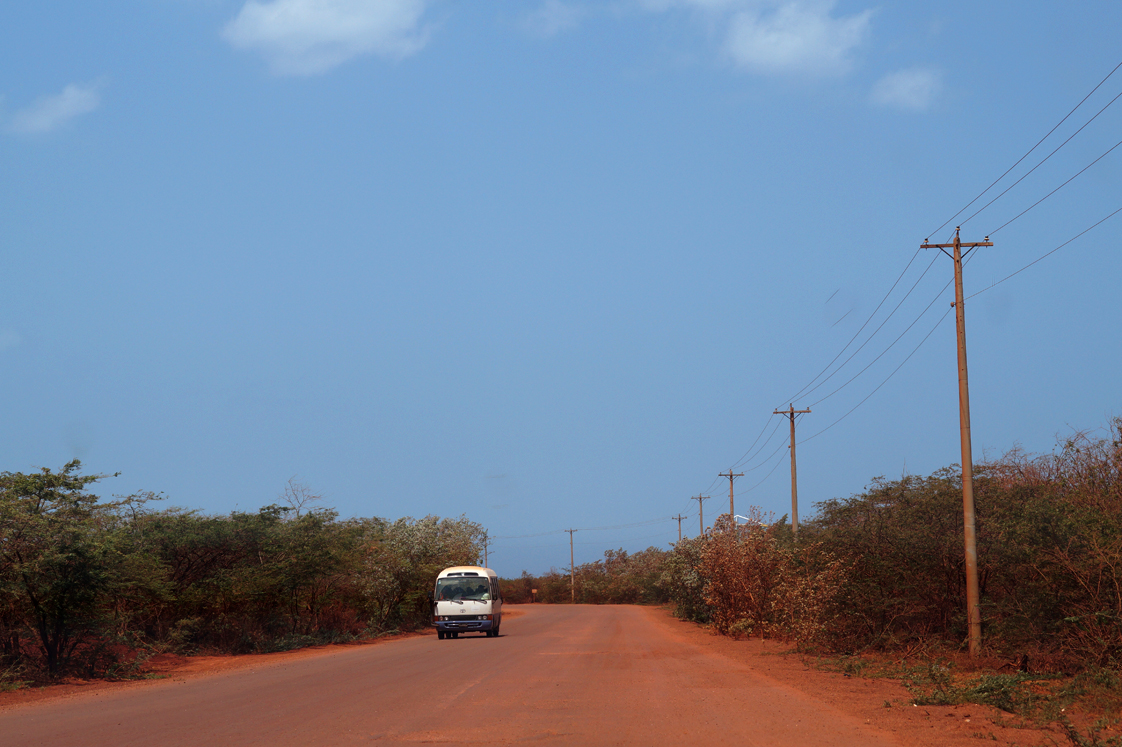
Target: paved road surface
559, 675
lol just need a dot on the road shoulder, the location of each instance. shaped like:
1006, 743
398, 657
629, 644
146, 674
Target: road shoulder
884, 705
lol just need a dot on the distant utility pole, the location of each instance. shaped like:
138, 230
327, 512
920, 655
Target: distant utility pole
486, 560
700, 512
731, 476
791, 413
973, 611
679, 517
572, 567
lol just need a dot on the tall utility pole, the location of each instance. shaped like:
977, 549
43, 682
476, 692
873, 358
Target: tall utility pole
486, 561
731, 476
791, 413
679, 517
572, 568
700, 512
973, 611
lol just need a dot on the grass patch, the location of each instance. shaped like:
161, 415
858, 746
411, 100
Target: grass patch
1011, 693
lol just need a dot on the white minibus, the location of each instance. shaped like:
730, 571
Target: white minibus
467, 600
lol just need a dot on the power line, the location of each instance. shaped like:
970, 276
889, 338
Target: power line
802, 391
878, 329
762, 447
770, 456
770, 472
749, 455
1057, 189
1026, 155
914, 350
745, 456
1042, 162
890, 346
1038, 259
882, 383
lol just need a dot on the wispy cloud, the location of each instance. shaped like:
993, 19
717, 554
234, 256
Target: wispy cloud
554, 17
51, 112
915, 89
782, 36
307, 37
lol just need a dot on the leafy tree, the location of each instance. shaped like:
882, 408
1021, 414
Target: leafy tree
54, 563
684, 583
400, 562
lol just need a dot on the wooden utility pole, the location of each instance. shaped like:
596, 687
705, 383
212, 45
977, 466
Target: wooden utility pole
679, 517
791, 413
486, 561
973, 610
572, 568
700, 512
731, 476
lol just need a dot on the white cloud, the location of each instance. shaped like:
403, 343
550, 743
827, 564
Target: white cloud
782, 36
798, 37
554, 17
51, 112
306, 37
914, 89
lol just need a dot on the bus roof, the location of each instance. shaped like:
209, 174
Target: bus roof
467, 570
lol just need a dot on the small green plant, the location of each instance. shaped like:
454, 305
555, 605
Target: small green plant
1004, 691
11, 679
854, 665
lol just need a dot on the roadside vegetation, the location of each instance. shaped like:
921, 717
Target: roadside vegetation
882, 570
879, 575
620, 578
94, 588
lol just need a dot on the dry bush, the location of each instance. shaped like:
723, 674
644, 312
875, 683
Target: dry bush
1056, 530
620, 578
742, 567
756, 582
1049, 557
808, 595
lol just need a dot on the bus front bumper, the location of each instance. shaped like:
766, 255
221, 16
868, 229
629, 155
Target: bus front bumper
455, 624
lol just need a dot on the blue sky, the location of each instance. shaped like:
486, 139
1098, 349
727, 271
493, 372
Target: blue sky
546, 264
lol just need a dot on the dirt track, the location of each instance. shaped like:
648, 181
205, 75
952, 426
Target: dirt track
558, 675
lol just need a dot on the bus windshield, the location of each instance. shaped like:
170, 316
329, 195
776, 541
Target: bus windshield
463, 588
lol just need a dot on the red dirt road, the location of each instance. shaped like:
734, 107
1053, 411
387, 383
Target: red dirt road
558, 675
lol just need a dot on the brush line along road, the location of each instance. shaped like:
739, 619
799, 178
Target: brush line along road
558, 675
